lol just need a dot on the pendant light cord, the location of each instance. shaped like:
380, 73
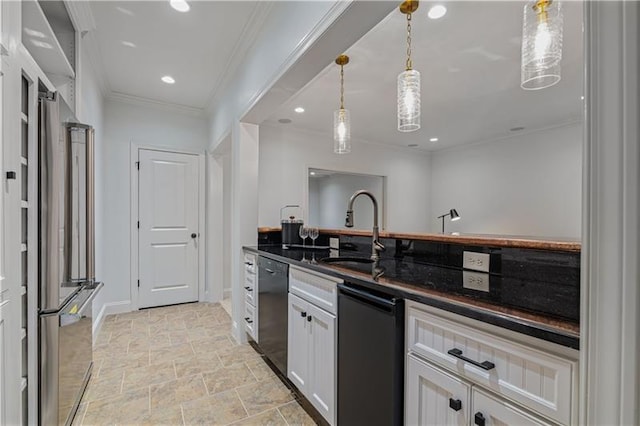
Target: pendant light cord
341, 86
409, 62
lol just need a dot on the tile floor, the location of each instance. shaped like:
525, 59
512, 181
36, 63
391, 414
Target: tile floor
179, 365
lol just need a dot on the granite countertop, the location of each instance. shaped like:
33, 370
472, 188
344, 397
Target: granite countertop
514, 241
535, 308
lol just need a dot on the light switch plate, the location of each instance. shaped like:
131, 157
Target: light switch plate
334, 243
475, 281
475, 261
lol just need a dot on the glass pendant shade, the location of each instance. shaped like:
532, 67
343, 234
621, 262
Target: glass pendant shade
341, 131
409, 101
541, 44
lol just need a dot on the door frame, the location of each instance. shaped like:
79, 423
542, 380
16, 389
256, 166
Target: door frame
135, 148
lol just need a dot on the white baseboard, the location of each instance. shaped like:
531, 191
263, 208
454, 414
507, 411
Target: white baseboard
226, 294
110, 308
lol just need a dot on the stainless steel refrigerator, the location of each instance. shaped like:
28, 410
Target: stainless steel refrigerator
67, 284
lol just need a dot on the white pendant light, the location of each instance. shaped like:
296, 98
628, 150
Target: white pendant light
409, 81
341, 117
541, 44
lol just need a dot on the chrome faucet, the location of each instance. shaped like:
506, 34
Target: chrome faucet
376, 245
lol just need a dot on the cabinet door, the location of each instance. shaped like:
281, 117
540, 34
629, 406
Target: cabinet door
5, 398
434, 397
298, 343
322, 363
492, 411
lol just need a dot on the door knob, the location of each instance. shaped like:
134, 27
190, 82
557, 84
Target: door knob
194, 235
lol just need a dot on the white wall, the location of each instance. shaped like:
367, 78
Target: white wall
148, 126
529, 184
286, 154
329, 198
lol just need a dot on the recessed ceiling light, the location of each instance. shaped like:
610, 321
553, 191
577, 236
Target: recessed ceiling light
168, 79
517, 129
180, 5
299, 110
128, 44
42, 44
437, 11
582, 98
433, 140
284, 121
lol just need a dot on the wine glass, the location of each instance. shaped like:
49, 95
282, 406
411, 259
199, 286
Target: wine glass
303, 233
313, 234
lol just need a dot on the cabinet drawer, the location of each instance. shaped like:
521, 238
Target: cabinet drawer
316, 288
250, 263
251, 321
538, 380
492, 411
250, 289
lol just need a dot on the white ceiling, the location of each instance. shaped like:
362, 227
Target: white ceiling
197, 48
469, 62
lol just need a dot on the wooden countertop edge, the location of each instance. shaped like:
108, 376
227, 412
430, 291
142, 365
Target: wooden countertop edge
567, 246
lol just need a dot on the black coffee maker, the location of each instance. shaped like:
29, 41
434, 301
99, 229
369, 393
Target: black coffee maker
290, 226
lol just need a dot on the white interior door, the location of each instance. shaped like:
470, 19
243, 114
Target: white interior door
168, 207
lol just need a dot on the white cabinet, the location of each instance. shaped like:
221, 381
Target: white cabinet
492, 411
434, 397
251, 295
525, 374
311, 354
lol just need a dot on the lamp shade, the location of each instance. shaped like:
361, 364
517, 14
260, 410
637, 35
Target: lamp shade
454, 215
341, 131
409, 101
541, 44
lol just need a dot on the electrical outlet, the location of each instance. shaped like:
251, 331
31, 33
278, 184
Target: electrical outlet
475, 281
334, 243
475, 261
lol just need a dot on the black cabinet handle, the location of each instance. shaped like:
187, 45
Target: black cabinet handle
303, 314
309, 318
194, 235
248, 320
455, 404
485, 365
479, 419
248, 263
248, 288
11, 175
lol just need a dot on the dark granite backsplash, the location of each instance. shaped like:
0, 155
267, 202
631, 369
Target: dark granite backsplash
538, 281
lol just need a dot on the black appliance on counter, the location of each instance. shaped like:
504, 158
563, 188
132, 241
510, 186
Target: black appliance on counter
273, 289
370, 357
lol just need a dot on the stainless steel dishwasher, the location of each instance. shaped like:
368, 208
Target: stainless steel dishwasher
273, 288
370, 357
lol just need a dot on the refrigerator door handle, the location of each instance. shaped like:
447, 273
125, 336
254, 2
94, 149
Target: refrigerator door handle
95, 289
55, 312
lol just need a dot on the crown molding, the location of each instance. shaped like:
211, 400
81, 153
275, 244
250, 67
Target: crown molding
247, 38
152, 103
81, 15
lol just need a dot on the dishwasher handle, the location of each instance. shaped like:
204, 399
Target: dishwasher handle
364, 296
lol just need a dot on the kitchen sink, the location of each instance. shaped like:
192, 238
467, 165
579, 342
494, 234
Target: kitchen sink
346, 260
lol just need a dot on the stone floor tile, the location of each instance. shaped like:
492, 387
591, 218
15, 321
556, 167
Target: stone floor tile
177, 391
197, 364
163, 416
211, 344
127, 408
237, 354
150, 375
295, 415
170, 353
129, 360
227, 378
260, 369
158, 341
264, 395
219, 409
104, 388
268, 418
